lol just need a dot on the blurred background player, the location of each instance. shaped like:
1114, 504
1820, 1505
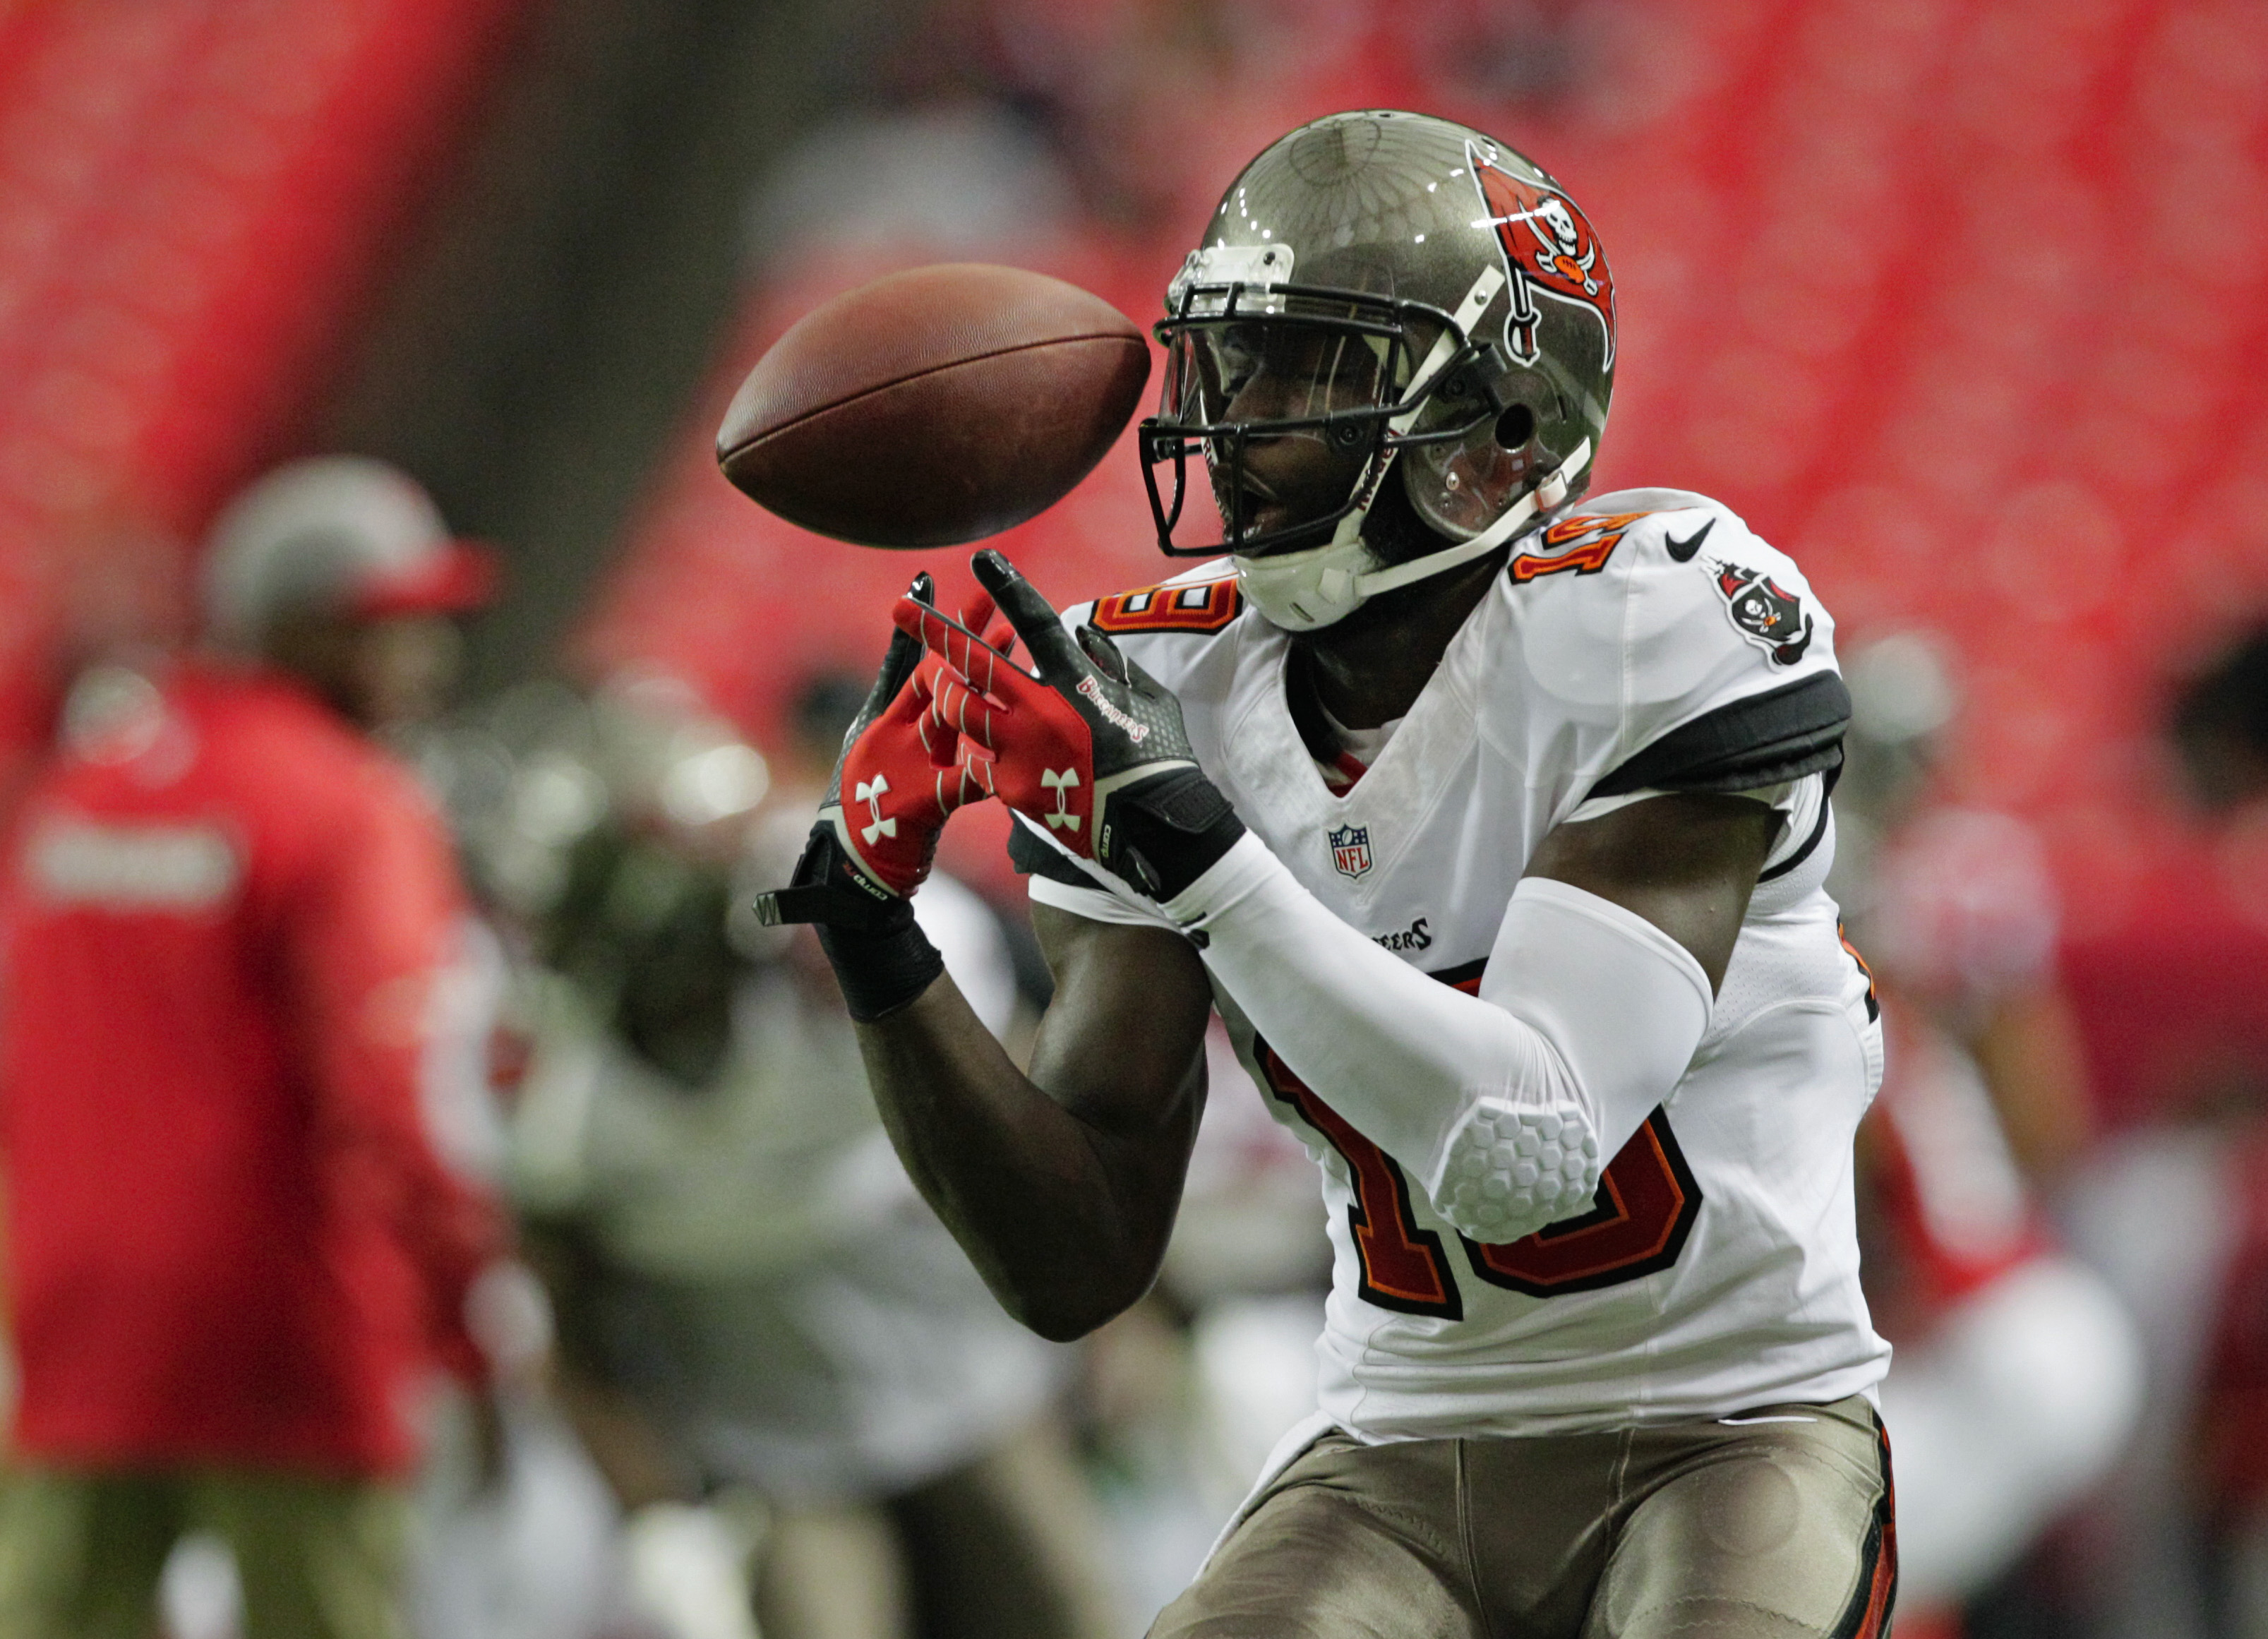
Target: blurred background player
2017, 1377
2220, 729
2176, 1215
756, 1309
241, 1085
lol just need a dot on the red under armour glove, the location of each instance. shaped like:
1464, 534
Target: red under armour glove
901, 776
897, 782
1092, 747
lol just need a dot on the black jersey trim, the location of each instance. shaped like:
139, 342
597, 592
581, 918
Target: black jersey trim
1765, 739
1033, 857
1818, 832
1876, 1593
1464, 976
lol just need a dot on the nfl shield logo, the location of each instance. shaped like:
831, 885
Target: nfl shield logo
1351, 849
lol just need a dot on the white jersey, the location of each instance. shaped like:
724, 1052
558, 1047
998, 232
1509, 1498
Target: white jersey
1646, 643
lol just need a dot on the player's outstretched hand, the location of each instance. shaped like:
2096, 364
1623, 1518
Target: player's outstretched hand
1090, 745
899, 779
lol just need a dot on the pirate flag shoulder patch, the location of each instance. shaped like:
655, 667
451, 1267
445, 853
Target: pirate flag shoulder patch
1763, 612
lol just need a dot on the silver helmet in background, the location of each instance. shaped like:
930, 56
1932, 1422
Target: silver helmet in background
1425, 304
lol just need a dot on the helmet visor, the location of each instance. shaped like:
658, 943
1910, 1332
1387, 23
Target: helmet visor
1292, 398
1274, 371
1286, 414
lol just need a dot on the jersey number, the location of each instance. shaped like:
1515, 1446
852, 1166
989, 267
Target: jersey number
1402, 1264
1645, 1209
1582, 543
1205, 606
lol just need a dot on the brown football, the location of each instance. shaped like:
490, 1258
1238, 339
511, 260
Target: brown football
933, 407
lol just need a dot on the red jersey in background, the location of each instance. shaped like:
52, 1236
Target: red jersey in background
228, 926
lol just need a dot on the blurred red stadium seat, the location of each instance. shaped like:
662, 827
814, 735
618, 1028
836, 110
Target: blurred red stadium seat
192, 199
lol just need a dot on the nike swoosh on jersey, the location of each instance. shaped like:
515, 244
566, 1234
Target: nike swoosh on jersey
1682, 551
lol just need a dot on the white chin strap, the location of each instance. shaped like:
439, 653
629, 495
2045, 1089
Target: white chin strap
1301, 592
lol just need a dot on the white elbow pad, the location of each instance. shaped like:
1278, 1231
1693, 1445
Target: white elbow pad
1510, 1169
1619, 1006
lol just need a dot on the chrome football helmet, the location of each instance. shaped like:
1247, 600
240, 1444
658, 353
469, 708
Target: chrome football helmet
1414, 300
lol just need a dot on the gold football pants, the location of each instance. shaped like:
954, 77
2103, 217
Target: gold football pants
1776, 1523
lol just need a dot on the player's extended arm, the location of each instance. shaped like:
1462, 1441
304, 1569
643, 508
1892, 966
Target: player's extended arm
1061, 1185
1506, 1107
1686, 864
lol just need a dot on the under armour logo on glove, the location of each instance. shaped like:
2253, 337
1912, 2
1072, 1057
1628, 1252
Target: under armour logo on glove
870, 792
1060, 780
857, 876
1088, 736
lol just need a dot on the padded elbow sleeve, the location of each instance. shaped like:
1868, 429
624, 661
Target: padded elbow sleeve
1619, 1006
1512, 1167
1506, 1108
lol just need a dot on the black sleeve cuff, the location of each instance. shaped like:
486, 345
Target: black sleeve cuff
1764, 740
1033, 857
879, 972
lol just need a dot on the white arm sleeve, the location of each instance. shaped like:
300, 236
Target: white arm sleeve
1504, 1107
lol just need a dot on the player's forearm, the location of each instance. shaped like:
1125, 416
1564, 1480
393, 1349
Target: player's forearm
1502, 1107
1057, 1214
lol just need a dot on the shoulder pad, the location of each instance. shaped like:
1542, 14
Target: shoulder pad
1204, 601
1754, 584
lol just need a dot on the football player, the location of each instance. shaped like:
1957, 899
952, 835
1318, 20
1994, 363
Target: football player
1495, 829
